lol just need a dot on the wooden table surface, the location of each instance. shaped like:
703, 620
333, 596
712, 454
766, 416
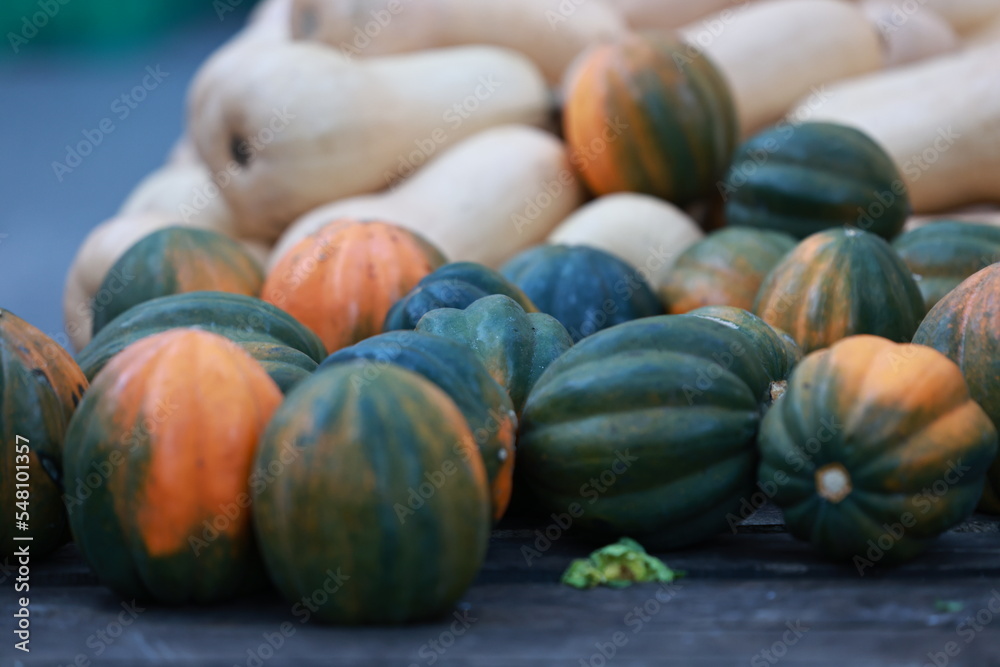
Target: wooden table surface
757, 597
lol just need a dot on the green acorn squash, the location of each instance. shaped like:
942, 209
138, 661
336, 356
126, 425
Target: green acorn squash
839, 283
286, 349
585, 288
175, 260
40, 387
875, 449
943, 254
801, 179
647, 430
516, 347
724, 269
382, 513
454, 285
459, 373
965, 327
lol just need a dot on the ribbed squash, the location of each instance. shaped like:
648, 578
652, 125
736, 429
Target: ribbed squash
777, 350
648, 430
159, 467
943, 254
839, 283
802, 179
643, 116
516, 347
965, 327
724, 269
457, 372
287, 350
875, 449
176, 260
384, 505
40, 387
586, 289
455, 285
342, 280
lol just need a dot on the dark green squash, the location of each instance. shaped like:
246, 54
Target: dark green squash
726, 268
175, 260
943, 254
516, 347
965, 327
458, 372
159, 468
384, 504
288, 351
801, 179
455, 285
40, 387
875, 449
586, 289
647, 430
839, 283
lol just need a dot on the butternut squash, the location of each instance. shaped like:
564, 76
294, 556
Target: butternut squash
773, 53
106, 243
671, 14
965, 16
910, 36
939, 120
294, 126
184, 191
483, 201
549, 32
646, 232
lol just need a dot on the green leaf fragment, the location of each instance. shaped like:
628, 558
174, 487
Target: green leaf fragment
618, 565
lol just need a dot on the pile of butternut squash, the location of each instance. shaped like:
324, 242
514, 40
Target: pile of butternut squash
445, 117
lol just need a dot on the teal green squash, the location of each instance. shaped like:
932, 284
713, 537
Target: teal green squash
40, 387
839, 283
384, 502
648, 430
965, 327
175, 260
159, 468
516, 347
458, 372
801, 179
288, 351
776, 349
455, 285
586, 289
943, 254
726, 268
875, 449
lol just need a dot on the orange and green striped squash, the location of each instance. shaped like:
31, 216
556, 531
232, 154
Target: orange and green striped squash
641, 115
965, 327
341, 281
837, 283
175, 260
159, 468
40, 387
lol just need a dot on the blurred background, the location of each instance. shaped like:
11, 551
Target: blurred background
64, 68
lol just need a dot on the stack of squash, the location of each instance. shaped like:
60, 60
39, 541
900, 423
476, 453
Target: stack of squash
375, 294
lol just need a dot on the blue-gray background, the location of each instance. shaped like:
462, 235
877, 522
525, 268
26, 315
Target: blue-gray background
50, 95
